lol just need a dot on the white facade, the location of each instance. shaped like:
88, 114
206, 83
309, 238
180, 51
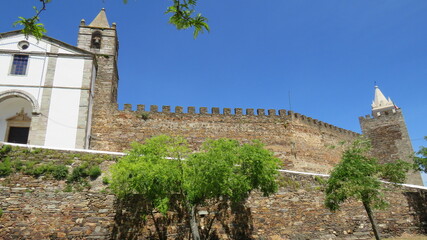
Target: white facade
53, 86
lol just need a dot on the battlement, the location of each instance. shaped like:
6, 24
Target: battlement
381, 114
250, 112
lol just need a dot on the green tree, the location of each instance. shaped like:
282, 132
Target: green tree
421, 159
183, 17
222, 170
358, 176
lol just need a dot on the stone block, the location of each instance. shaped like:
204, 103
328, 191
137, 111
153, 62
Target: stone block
166, 109
203, 110
215, 110
178, 109
191, 110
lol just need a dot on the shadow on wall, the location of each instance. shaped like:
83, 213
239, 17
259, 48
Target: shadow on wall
418, 202
136, 219
241, 222
129, 215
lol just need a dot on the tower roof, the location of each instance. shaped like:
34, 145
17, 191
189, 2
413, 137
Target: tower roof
100, 20
381, 103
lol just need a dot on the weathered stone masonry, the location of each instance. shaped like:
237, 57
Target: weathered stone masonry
390, 139
40, 209
303, 143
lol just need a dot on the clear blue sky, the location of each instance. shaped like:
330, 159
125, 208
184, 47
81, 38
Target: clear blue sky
325, 54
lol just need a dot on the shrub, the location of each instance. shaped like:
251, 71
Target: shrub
105, 180
5, 149
94, 172
17, 165
77, 174
28, 167
145, 116
60, 172
1, 212
5, 168
68, 188
39, 170
36, 150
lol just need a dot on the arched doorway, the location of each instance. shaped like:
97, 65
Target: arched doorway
16, 111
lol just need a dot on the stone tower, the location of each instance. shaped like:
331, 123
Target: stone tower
101, 39
387, 131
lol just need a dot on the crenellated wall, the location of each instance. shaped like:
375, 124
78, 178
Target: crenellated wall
303, 143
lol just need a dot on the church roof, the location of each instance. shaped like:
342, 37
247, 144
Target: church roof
100, 20
380, 101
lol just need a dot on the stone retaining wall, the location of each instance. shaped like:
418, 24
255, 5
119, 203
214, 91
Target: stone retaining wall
38, 208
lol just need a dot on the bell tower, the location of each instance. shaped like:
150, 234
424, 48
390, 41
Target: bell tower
101, 39
386, 129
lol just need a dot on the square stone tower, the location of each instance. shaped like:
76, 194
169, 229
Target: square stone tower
101, 39
386, 129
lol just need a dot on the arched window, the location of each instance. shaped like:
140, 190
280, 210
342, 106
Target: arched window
96, 40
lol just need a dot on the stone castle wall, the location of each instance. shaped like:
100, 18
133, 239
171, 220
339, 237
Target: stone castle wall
38, 208
303, 143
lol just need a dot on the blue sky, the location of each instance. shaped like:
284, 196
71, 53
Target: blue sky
324, 56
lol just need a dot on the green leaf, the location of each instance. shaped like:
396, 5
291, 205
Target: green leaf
182, 17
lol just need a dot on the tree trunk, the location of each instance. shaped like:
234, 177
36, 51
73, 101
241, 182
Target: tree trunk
371, 218
160, 234
193, 224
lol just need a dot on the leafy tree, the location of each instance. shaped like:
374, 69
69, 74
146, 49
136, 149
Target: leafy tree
421, 159
223, 170
183, 17
148, 170
358, 176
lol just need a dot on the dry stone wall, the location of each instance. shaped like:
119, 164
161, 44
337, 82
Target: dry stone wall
38, 208
43, 208
303, 143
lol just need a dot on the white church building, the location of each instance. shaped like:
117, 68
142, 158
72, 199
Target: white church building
47, 87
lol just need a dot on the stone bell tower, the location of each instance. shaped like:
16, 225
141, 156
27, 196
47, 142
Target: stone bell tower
386, 129
101, 39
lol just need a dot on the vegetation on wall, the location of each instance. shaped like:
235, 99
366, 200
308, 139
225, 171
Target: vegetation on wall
5, 165
75, 168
